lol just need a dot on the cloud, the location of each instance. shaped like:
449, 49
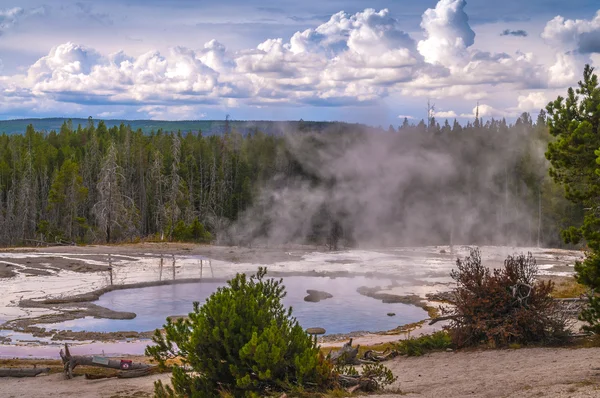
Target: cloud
183, 112
9, 17
85, 10
533, 101
405, 117
517, 33
574, 41
356, 59
580, 35
486, 111
445, 114
110, 115
447, 32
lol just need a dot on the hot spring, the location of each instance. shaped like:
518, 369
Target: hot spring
347, 311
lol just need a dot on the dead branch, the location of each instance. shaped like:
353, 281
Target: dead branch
346, 355
379, 356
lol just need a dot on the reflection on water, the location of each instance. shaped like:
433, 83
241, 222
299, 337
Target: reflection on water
346, 312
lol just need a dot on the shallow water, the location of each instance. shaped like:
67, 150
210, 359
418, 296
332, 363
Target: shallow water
347, 311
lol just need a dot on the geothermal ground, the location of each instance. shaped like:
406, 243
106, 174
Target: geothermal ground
45, 287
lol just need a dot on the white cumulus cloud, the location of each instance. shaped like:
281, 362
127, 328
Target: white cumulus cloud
445, 114
533, 101
579, 34
447, 30
349, 60
575, 40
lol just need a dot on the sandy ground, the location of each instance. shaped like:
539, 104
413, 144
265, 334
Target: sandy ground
535, 372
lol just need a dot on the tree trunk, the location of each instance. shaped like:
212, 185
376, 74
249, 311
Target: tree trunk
539, 231
21, 372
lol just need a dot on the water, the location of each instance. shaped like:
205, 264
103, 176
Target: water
347, 311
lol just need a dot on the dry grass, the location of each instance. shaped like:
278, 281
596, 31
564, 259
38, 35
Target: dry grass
568, 288
54, 365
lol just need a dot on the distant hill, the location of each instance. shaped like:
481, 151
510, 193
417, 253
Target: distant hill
208, 127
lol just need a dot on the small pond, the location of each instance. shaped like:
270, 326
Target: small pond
346, 312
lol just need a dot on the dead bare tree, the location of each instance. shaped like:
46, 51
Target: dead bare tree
176, 195
158, 183
113, 209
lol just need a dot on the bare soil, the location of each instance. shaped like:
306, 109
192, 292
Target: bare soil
534, 372
7, 270
527, 372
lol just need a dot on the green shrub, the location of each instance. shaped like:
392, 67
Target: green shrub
194, 232
415, 347
241, 341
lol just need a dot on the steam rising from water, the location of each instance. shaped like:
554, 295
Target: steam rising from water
401, 188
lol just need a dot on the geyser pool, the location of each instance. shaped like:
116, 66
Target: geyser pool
348, 311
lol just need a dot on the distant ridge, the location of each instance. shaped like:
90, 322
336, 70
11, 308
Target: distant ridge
208, 127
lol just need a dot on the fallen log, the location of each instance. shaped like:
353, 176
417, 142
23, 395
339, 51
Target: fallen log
130, 374
22, 372
71, 362
346, 355
122, 374
379, 356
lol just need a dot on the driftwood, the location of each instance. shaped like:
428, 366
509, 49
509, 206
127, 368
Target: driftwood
346, 355
71, 362
22, 372
122, 374
380, 356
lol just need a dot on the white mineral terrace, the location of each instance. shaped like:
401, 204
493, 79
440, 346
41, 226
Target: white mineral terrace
415, 270
418, 270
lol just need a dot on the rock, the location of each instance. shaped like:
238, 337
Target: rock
391, 314
449, 350
315, 331
314, 296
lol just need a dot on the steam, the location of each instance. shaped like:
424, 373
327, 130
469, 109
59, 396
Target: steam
401, 188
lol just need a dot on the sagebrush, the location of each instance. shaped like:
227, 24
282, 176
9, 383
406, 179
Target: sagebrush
503, 306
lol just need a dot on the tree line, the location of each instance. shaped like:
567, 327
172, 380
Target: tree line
91, 183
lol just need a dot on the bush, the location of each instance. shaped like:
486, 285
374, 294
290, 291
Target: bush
503, 306
415, 347
194, 232
241, 341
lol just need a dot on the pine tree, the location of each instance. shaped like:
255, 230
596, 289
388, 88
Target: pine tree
67, 193
574, 156
242, 340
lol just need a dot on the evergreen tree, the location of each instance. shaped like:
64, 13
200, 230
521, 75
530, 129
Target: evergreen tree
67, 193
243, 341
575, 155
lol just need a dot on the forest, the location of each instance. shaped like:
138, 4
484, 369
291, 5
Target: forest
343, 185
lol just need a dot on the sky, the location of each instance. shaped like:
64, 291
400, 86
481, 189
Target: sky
373, 62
